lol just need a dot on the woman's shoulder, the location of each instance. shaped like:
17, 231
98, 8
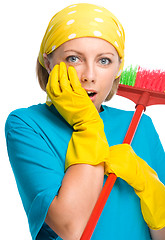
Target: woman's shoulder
28, 110
120, 115
24, 115
36, 117
117, 121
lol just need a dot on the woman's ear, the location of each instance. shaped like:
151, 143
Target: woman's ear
47, 62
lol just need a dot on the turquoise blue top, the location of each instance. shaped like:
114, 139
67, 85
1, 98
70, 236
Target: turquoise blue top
37, 139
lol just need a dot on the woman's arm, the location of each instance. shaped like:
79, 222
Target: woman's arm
87, 151
70, 210
158, 234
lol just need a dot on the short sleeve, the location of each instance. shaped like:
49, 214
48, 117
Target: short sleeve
148, 146
158, 156
37, 170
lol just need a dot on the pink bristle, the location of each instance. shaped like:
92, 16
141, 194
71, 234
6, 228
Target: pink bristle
153, 80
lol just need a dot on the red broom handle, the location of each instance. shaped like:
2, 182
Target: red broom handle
89, 229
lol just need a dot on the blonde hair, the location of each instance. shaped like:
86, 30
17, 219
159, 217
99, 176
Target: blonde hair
43, 76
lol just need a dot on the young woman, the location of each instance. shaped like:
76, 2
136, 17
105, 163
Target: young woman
61, 152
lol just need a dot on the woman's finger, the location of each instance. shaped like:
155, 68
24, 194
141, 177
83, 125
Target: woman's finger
64, 81
74, 80
54, 85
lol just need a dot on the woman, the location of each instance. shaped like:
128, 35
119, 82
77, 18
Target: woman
61, 152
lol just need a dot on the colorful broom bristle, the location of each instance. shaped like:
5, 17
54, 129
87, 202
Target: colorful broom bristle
153, 80
128, 76
150, 79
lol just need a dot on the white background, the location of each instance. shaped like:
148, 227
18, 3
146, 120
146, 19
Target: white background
22, 26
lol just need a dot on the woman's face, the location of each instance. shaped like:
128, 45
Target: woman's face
96, 62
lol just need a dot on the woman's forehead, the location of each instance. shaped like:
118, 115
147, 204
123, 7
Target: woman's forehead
88, 44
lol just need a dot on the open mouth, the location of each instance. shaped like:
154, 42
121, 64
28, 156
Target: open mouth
91, 94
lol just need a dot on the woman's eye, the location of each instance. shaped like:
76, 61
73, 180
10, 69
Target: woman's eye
105, 61
72, 59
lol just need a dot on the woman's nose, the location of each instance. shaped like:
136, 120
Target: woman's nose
88, 74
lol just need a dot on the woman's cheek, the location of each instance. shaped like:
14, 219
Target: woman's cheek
79, 70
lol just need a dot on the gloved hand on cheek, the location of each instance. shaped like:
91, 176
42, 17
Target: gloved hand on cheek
88, 143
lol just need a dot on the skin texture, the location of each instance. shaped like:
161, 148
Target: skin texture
97, 67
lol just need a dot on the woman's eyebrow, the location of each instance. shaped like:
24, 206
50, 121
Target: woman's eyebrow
100, 54
71, 50
106, 53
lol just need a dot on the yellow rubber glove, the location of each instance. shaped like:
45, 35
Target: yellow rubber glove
88, 143
137, 173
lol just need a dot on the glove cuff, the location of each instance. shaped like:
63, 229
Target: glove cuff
87, 147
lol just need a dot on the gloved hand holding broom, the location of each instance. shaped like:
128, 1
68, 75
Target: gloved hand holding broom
136, 172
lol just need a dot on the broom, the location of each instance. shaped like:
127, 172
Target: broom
144, 88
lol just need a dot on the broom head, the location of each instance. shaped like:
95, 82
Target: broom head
142, 86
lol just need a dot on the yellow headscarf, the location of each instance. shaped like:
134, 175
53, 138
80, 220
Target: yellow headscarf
83, 20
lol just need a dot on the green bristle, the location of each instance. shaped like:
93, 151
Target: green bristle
128, 76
